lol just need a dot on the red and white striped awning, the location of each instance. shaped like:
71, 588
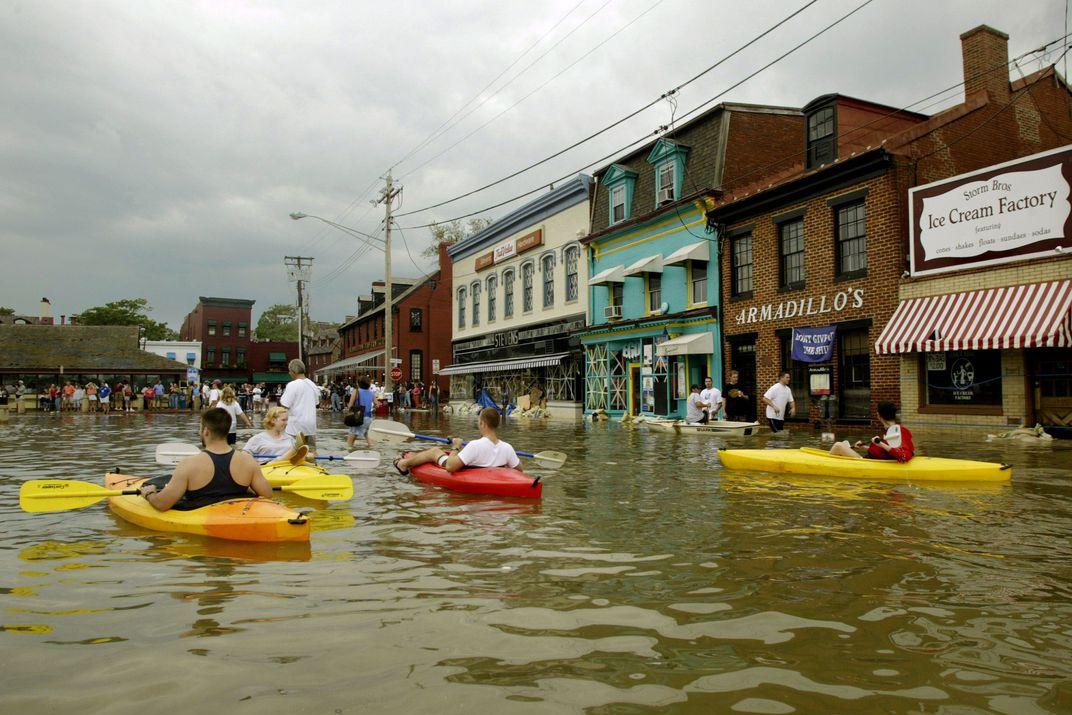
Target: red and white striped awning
1023, 316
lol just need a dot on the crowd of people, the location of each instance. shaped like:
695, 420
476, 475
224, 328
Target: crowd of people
73, 396
404, 395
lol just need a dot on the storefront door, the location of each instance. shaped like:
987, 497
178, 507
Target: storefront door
743, 360
634, 391
1051, 370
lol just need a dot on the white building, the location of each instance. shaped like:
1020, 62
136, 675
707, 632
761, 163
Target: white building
520, 293
188, 352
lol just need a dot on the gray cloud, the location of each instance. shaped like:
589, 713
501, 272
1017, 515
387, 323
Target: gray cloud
155, 149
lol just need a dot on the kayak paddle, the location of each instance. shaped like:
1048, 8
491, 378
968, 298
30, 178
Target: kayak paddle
395, 432
43, 495
174, 452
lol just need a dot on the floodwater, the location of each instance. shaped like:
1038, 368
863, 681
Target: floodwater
647, 580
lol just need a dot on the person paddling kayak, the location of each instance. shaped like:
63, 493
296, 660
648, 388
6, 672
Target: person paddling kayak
216, 474
895, 444
488, 451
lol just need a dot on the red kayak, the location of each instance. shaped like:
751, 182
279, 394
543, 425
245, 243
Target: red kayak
494, 481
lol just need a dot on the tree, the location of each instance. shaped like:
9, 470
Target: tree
4, 310
131, 311
279, 322
452, 233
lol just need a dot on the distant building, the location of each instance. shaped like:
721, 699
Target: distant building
229, 353
187, 352
321, 349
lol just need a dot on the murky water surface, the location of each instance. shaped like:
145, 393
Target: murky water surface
648, 579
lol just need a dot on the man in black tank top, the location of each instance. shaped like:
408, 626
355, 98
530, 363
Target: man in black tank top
216, 474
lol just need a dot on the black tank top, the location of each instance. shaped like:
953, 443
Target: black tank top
221, 487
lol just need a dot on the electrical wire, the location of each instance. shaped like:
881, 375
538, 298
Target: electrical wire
692, 111
406, 244
1042, 115
624, 119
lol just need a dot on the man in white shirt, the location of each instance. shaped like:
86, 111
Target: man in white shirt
300, 398
776, 398
488, 451
214, 394
695, 408
713, 397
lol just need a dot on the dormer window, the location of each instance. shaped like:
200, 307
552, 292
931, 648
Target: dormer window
668, 157
617, 204
620, 183
822, 140
667, 185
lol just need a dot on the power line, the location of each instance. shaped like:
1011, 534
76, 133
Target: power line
442, 127
538, 88
692, 111
624, 119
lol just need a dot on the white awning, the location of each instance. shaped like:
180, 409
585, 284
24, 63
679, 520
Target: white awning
651, 264
354, 363
611, 275
699, 251
695, 344
504, 365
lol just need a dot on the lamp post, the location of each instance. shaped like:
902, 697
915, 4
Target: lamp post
386, 196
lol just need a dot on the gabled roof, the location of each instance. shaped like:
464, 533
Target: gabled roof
434, 275
79, 349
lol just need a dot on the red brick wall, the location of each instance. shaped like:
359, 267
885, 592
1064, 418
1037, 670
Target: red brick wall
759, 144
257, 354
860, 126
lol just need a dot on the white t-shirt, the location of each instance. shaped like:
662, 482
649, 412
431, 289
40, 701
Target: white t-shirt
234, 410
781, 396
711, 396
693, 412
485, 453
264, 443
257, 394
214, 396
300, 398
79, 393
893, 435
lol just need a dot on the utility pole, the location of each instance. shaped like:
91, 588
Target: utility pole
299, 270
387, 196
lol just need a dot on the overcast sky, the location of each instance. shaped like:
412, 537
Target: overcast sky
155, 149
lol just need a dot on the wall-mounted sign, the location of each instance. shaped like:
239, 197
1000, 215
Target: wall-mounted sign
803, 307
506, 251
814, 344
1006, 212
435, 366
819, 379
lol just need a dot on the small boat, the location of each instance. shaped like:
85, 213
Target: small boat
243, 519
491, 481
819, 463
724, 428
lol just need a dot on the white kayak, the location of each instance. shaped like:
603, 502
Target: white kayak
723, 428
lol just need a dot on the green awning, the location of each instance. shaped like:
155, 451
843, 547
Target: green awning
277, 357
271, 377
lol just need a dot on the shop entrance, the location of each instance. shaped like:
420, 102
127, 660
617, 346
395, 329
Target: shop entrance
1051, 369
743, 360
634, 393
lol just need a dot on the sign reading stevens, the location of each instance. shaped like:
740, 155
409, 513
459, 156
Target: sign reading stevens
1008, 212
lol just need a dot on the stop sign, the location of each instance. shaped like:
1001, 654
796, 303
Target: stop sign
396, 373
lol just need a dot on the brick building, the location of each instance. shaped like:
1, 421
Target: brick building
321, 349
228, 350
824, 244
653, 293
421, 315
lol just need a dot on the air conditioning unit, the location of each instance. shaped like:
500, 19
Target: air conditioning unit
666, 194
612, 312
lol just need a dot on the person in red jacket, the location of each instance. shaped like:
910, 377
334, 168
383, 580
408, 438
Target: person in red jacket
895, 444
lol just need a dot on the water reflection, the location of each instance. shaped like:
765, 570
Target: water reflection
647, 578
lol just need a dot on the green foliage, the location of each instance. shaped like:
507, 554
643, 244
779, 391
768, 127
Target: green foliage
4, 310
452, 233
279, 322
131, 311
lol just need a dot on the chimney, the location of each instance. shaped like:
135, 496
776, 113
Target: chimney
46, 312
63, 320
986, 62
444, 261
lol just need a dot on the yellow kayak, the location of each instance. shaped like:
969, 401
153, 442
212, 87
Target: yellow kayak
816, 462
283, 473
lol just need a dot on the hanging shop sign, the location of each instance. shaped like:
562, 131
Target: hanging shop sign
1006, 212
506, 251
814, 344
802, 308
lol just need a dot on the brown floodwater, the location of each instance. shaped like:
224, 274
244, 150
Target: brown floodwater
647, 580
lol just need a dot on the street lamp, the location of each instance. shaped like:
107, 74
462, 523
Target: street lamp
380, 244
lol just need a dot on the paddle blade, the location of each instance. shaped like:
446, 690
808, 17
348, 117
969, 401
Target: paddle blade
363, 458
326, 487
174, 452
43, 495
550, 459
390, 432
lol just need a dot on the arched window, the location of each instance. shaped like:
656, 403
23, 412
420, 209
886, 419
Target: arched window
508, 293
526, 286
493, 288
547, 267
461, 307
475, 287
572, 258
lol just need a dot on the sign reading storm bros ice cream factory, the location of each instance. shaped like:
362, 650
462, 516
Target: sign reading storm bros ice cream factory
1007, 212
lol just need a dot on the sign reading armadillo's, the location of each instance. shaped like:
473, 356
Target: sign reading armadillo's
1008, 212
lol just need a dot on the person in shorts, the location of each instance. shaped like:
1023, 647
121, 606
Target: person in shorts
488, 451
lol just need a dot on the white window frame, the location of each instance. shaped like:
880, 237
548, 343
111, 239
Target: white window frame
493, 289
617, 198
474, 288
462, 297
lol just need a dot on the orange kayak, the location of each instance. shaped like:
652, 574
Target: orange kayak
245, 519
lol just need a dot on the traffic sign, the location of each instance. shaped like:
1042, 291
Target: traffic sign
396, 373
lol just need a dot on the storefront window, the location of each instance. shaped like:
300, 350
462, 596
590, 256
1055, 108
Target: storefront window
596, 377
618, 381
854, 374
963, 377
